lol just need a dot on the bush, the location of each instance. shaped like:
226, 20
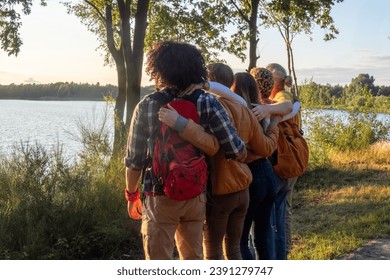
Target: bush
357, 131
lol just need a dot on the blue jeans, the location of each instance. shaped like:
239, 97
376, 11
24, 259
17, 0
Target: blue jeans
278, 219
262, 193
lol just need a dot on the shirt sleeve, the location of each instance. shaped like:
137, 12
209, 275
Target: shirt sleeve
262, 143
222, 128
296, 107
195, 134
281, 97
137, 140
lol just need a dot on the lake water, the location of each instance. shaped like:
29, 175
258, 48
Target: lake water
48, 122
52, 122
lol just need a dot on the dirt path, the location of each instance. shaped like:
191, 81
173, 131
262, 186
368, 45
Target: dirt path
377, 249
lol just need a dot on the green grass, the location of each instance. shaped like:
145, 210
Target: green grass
339, 207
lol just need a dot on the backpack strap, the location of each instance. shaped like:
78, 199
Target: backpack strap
162, 97
193, 97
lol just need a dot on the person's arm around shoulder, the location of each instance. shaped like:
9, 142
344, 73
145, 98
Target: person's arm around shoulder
265, 110
221, 90
220, 126
282, 106
296, 108
189, 130
218, 90
263, 143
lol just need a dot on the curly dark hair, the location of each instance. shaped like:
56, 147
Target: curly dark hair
175, 65
264, 80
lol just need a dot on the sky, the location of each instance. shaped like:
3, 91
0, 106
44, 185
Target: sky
58, 48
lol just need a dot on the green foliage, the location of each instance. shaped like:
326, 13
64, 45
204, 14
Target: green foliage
10, 22
363, 81
51, 208
300, 16
197, 22
293, 17
356, 132
360, 95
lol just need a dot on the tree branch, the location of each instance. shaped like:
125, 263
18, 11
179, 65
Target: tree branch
244, 17
110, 35
271, 15
102, 18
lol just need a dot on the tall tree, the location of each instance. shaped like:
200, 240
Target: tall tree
10, 23
121, 27
292, 17
363, 81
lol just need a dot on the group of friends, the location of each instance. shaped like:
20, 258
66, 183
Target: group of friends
245, 213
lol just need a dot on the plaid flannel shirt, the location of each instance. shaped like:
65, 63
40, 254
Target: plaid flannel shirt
213, 118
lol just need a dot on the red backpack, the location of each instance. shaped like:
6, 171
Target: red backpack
178, 166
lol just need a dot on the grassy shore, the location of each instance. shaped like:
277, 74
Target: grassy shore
51, 208
339, 207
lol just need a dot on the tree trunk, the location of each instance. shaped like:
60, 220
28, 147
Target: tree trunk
129, 76
119, 111
253, 35
120, 103
124, 11
293, 71
128, 62
135, 68
288, 58
288, 46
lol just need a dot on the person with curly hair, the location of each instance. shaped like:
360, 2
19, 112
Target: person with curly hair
174, 67
278, 101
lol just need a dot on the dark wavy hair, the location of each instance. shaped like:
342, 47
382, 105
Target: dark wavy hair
245, 86
175, 65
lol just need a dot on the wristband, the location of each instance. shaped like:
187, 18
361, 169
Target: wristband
131, 197
180, 124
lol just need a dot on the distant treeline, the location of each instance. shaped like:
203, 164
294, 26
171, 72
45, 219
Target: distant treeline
361, 94
61, 91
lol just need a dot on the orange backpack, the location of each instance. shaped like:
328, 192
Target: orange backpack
292, 154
